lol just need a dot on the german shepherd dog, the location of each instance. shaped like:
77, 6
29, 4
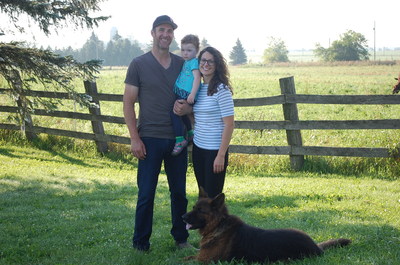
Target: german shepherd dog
226, 237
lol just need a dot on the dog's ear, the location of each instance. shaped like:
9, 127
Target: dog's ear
202, 193
218, 201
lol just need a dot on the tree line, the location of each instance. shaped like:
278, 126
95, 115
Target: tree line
120, 51
351, 46
117, 52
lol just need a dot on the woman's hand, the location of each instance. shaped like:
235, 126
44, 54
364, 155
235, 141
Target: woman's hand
219, 164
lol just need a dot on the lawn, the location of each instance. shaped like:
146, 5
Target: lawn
65, 206
62, 203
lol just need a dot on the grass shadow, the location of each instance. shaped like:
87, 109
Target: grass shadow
8, 152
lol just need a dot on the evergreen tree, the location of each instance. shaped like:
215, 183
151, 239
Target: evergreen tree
76, 54
92, 49
135, 51
22, 66
120, 52
123, 52
50, 15
238, 54
109, 58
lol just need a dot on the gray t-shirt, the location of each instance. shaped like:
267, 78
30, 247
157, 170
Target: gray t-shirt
156, 96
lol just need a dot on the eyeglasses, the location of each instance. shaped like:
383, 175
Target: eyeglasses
209, 62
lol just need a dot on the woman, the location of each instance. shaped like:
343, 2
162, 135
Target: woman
214, 122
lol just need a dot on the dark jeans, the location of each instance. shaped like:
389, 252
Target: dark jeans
159, 150
203, 164
178, 122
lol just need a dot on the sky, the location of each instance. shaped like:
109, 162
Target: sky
300, 24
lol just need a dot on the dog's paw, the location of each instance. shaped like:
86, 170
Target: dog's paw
189, 258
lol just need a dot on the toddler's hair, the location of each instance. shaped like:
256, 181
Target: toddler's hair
193, 39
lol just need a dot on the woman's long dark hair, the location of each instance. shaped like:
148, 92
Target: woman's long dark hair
221, 75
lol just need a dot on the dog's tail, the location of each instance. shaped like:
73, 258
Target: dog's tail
340, 242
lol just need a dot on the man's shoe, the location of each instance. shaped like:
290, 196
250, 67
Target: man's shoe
141, 248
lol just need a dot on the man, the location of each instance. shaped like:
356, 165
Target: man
150, 79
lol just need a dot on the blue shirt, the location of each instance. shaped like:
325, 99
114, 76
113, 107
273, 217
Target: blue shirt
186, 78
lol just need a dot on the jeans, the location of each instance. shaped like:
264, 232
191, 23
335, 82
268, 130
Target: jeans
157, 151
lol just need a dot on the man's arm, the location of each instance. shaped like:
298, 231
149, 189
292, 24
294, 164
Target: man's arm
130, 96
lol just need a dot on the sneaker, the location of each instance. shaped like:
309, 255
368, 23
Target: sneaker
179, 147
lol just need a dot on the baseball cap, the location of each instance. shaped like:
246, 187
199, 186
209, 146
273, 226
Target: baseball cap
164, 20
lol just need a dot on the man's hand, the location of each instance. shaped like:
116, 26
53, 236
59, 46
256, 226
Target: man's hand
181, 107
138, 149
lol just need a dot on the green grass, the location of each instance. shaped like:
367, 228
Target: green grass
62, 203
64, 206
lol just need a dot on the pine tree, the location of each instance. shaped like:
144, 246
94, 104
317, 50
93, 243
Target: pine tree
21, 66
50, 14
92, 49
238, 54
120, 51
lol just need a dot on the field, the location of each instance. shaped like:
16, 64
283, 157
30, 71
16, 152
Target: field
341, 79
62, 203
308, 55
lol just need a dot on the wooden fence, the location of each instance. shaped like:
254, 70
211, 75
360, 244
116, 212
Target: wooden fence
291, 123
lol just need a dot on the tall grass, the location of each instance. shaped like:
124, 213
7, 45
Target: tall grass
326, 80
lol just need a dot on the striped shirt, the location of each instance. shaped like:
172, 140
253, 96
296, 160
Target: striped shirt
208, 114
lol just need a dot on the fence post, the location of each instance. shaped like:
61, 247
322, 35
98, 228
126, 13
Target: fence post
26, 123
290, 113
98, 128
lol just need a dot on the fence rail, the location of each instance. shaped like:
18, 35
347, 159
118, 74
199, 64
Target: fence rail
291, 123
